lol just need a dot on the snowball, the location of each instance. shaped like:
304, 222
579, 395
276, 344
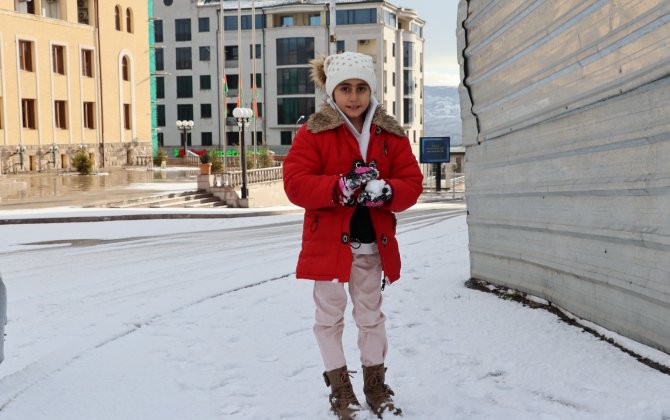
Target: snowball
375, 187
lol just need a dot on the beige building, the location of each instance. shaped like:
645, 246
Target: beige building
73, 74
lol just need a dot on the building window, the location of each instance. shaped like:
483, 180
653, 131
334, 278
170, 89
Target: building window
158, 31
167, 2
160, 87
58, 57
203, 24
60, 114
294, 51
184, 87
408, 54
340, 47
87, 63
126, 117
232, 81
251, 51
205, 110
356, 17
117, 18
182, 29
390, 19
159, 58
315, 20
26, 55
183, 58
206, 139
259, 80
160, 115
89, 115
393, 79
290, 109
205, 82
160, 139
82, 11
129, 20
408, 82
230, 22
185, 112
125, 68
408, 111
231, 53
204, 53
285, 20
259, 138
393, 50
292, 81
28, 113
286, 138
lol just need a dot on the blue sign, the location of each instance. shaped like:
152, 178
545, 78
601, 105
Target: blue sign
434, 149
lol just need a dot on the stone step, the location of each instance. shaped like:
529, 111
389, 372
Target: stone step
189, 199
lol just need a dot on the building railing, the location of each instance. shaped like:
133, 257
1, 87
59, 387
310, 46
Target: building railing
254, 176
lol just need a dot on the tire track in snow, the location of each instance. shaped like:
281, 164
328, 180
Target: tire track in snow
18, 383
44, 368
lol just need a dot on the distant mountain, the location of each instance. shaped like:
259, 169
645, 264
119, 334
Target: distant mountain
442, 113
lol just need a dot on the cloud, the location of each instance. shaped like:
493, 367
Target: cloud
442, 71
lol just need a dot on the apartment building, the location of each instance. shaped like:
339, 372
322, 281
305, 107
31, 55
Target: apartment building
193, 58
73, 74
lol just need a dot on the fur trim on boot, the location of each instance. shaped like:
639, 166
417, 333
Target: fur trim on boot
343, 401
377, 393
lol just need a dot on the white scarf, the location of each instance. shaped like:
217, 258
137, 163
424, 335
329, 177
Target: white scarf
363, 137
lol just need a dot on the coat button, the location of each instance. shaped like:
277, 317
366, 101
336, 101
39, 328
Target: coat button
384, 240
378, 130
345, 238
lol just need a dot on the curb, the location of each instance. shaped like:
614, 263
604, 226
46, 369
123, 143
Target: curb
153, 216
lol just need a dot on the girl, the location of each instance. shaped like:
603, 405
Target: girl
351, 167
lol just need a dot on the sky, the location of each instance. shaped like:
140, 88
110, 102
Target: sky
204, 319
440, 63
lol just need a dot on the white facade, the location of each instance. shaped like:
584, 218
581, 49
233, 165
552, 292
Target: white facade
390, 31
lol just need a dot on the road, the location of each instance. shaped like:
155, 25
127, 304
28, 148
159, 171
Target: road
76, 288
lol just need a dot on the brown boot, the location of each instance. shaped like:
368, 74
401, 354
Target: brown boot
377, 393
343, 401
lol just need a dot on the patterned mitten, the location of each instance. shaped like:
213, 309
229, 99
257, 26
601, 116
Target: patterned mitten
354, 180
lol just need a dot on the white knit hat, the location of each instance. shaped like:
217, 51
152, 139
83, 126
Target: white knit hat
349, 65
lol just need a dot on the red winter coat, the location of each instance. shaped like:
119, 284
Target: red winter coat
322, 151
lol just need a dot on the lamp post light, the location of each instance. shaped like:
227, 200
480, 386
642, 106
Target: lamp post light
185, 126
243, 116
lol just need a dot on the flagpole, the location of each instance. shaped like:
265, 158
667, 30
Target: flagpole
253, 77
223, 113
239, 66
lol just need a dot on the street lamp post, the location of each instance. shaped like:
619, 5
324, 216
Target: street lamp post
185, 127
243, 116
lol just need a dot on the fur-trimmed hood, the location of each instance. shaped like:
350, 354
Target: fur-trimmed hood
328, 118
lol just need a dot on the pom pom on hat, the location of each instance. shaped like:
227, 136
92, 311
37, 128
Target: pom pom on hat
328, 72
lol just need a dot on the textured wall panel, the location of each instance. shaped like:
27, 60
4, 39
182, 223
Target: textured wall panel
566, 122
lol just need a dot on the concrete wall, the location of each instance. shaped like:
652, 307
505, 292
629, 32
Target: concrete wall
566, 123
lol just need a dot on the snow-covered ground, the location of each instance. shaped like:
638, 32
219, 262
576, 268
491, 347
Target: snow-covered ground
204, 319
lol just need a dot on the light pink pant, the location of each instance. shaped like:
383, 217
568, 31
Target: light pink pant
366, 296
